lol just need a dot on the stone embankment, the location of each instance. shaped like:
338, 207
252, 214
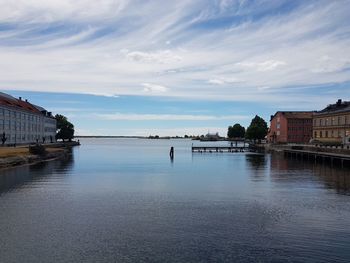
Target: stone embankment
16, 156
305, 147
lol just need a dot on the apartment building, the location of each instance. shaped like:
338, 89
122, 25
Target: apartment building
332, 124
290, 127
22, 122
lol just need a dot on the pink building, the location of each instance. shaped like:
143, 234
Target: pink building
290, 127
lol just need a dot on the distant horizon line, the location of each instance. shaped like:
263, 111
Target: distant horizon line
127, 136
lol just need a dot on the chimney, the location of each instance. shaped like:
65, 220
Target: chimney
26, 100
20, 98
339, 102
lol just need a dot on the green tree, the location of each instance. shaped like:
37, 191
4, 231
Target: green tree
257, 129
236, 131
65, 129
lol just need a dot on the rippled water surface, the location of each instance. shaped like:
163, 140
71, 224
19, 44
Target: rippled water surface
123, 200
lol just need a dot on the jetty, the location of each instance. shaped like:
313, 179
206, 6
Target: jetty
219, 149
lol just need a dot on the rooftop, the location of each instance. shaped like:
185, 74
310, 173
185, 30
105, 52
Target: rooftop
339, 107
295, 114
9, 101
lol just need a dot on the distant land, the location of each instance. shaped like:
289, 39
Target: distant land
131, 137
104, 136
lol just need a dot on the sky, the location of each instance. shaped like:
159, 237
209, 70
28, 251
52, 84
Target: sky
142, 67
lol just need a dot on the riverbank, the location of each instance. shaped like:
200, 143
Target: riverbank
17, 156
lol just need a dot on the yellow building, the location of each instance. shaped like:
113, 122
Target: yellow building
332, 124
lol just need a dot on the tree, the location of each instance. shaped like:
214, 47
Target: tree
257, 129
65, 129
236, 131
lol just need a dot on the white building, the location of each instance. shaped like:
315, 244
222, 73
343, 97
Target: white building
22, 122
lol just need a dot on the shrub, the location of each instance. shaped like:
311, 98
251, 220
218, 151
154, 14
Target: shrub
37, 149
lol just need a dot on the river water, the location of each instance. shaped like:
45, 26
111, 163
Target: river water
124, 200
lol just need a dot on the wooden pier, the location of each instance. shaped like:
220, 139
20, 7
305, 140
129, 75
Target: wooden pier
219, 149
323, 157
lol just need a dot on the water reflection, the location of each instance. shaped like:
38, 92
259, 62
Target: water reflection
334, 178
13, 178
122, 201
256, 161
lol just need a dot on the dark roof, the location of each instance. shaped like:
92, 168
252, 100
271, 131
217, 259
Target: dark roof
339, 107
295, 114
10, 101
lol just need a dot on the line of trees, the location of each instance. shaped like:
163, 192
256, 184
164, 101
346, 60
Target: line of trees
257, 130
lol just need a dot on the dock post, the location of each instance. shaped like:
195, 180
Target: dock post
171, 153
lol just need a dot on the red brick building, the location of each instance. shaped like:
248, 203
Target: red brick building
290, 127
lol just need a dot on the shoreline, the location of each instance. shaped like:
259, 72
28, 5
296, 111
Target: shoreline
21, 156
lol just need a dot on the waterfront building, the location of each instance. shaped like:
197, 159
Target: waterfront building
22, 122
211, 137
290, 127
332, 124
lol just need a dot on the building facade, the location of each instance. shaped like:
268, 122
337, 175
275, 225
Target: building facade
290, 127
22, 122
332, 124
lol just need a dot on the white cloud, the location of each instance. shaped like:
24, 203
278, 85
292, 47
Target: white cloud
162, 56
148, 87
166, 117
264, 88
223, 81
37, 11
327, 64
216, 81
111, 47
262, 66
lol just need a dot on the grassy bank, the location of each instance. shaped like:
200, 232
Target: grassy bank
6, 152
15, 156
